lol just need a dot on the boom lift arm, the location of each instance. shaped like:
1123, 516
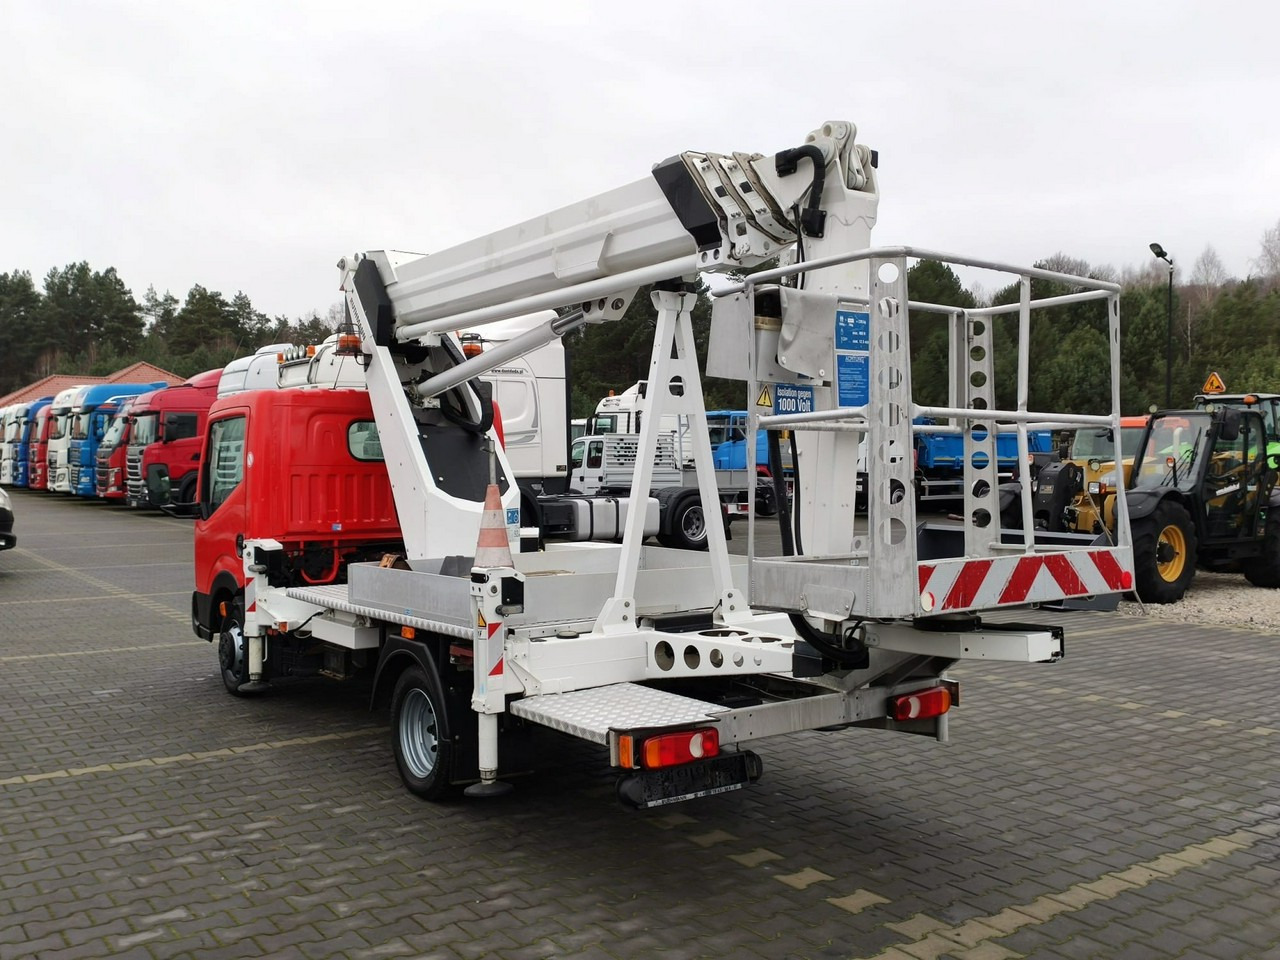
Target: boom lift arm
697, 212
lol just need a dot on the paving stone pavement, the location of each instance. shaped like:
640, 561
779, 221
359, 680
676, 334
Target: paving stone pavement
1120, 804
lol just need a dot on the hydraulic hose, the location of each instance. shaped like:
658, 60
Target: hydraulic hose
827, 644
814, 219
780, 494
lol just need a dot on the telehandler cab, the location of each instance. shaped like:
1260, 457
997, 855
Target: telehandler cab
1199, 493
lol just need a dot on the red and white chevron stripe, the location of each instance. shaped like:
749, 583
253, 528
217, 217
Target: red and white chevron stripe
948, 586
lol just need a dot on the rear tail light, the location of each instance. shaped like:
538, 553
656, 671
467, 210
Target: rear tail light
668, 749
920, 704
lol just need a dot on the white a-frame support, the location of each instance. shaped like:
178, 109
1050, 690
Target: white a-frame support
674, 387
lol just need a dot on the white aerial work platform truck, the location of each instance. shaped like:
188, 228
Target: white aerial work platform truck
673, 662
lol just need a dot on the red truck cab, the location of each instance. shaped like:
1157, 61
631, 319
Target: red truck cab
163, 454
300, 466
109, 476
38, 449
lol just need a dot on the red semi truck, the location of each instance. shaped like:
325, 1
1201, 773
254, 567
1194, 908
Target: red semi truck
163, 455
38, 449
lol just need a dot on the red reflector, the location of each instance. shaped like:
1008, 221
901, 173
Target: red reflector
671, 749
1126, 580
920, 704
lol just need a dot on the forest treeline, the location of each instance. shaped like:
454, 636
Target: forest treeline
87, 321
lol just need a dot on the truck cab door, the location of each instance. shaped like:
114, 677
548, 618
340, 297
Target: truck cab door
223, 516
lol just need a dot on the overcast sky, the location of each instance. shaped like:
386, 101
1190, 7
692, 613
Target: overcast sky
247, 146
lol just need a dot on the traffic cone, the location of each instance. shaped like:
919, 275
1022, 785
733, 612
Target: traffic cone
493, 549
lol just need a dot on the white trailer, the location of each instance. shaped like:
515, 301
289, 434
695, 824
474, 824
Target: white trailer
675, 662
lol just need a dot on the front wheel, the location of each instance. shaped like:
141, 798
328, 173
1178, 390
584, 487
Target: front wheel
233, 654
1164, 553
420, 733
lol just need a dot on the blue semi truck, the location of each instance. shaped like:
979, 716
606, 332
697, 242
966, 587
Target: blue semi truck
91, 414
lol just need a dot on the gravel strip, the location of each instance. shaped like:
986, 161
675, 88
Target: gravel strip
1217, 598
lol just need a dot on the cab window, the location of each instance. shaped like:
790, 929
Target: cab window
179, 426
363, 441
575, 454
224, 460
595, 454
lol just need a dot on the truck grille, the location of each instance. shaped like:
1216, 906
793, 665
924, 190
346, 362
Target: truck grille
101, 473
74, 471
133, 476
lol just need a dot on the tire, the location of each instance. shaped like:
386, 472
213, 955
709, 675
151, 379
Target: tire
233, 655
420, 734
1164, 553
187, 492
1264, 569
688, 526
766, 502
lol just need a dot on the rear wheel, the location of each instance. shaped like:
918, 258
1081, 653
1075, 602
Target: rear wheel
1164, 554
1264, 569
688, 526
420, 733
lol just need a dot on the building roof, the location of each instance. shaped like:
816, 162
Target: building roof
51, 386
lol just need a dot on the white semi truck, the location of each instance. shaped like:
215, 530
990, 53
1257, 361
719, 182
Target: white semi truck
673, 662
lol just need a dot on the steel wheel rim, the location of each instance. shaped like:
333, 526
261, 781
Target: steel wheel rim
694, 524
418, 734
231, 649
1172, 539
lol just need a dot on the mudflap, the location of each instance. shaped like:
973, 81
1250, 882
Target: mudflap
656, 788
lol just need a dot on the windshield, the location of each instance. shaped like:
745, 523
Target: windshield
1096, 444
115, 431
1171, 456
602, 423
59, 428
80, 425
144, 429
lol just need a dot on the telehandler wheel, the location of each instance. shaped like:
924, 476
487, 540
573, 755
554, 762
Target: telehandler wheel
420, 734
688, 526
1164, 554
1264, 569
233, 657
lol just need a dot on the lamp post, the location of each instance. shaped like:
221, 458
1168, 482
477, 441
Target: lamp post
1160, 253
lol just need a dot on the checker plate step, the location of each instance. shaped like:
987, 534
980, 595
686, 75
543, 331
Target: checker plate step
590, 714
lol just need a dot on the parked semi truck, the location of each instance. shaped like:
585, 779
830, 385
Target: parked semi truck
163, 455
673, 663
21, 450
111, 468
597, 466
58, 445
38, 447
92, 411
13, 419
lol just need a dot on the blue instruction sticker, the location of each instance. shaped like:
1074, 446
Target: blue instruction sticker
853, 330
853, 379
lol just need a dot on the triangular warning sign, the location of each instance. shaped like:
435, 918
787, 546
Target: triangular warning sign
764, 400
480, 621
1214, 384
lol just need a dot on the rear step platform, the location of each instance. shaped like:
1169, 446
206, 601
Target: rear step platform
590, 714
